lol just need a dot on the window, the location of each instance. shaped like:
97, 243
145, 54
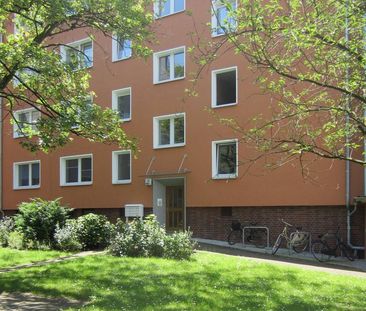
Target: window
76, 170
26, 175
225, 159
23, 119
78, 54
121, 49
121, 167
121, 102
169, 131
167, 7
169, 65
222, 20
224, 87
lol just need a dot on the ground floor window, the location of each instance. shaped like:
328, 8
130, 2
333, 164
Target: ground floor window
121, 167
225, 159
27, 175
76, 170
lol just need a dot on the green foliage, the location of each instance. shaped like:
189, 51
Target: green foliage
38, 219
145, 238
93, 231
16, 240
31, 59
6, 227
66, 237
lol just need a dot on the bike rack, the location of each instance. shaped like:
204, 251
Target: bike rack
256, 227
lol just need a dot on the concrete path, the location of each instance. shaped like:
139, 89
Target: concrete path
264, 257
30, 302
51, 261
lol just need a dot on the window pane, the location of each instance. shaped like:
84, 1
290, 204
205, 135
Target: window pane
124, 166
124, 49
35, 174
86, 169
226, 88
164, 68
221, 14
179, 130
164, 7
72, 170
164, 132
23, 119
23, 175
179, 65
87, 50
226, 155
178, 5
124, 109
71, 58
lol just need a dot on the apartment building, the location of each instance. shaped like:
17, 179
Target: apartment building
190, 170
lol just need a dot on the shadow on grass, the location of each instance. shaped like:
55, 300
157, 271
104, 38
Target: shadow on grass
207, 283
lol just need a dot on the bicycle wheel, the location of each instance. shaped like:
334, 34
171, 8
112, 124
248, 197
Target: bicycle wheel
320, 251
300, 247
346, 251
258, 238
277, 244
234, 237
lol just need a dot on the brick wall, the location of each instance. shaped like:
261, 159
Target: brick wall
214, 222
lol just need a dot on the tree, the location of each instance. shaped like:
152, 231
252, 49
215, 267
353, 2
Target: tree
33, 74
310, 57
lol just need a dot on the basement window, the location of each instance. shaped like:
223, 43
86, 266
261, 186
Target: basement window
224, 87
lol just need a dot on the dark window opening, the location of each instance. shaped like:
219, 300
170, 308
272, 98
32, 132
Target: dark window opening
226, 88
226, 211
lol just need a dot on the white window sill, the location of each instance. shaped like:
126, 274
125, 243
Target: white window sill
226, 176
216, 35
170, 14
169, 146
122, 182
76, 184
125, 120
121, 59
170, 80
222, 106
27, 187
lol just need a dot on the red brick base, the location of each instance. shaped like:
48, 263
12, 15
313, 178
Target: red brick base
214, 222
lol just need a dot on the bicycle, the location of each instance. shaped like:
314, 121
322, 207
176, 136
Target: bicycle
322, 250
297, 240
255, 236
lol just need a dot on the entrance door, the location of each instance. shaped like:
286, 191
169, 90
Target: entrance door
174, 208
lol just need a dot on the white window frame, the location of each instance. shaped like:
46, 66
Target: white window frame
77, 45
215, 5
121, 92
214, 86
16, 134
214, 158
171, 134
170, 52
63, 182
16, 175
115, 179
114, 49
172, 12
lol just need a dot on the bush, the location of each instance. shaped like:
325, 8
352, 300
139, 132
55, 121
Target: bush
16, 240
66, 238
93, 231
145, 238
6, 227
38, 219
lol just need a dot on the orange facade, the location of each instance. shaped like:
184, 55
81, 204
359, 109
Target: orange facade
256, 188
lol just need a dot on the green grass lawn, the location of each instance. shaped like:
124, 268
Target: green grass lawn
11, 257
207, 282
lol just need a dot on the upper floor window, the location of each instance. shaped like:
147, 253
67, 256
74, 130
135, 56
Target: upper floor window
26, 175
169, 131
225, 159
78, 54
224, 87
169, 65
121, 102
76, 170
121, 167
23, 119
167, 7
121, 48
222, 20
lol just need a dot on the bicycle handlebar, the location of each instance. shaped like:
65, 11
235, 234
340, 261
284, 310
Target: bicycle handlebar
286, 223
